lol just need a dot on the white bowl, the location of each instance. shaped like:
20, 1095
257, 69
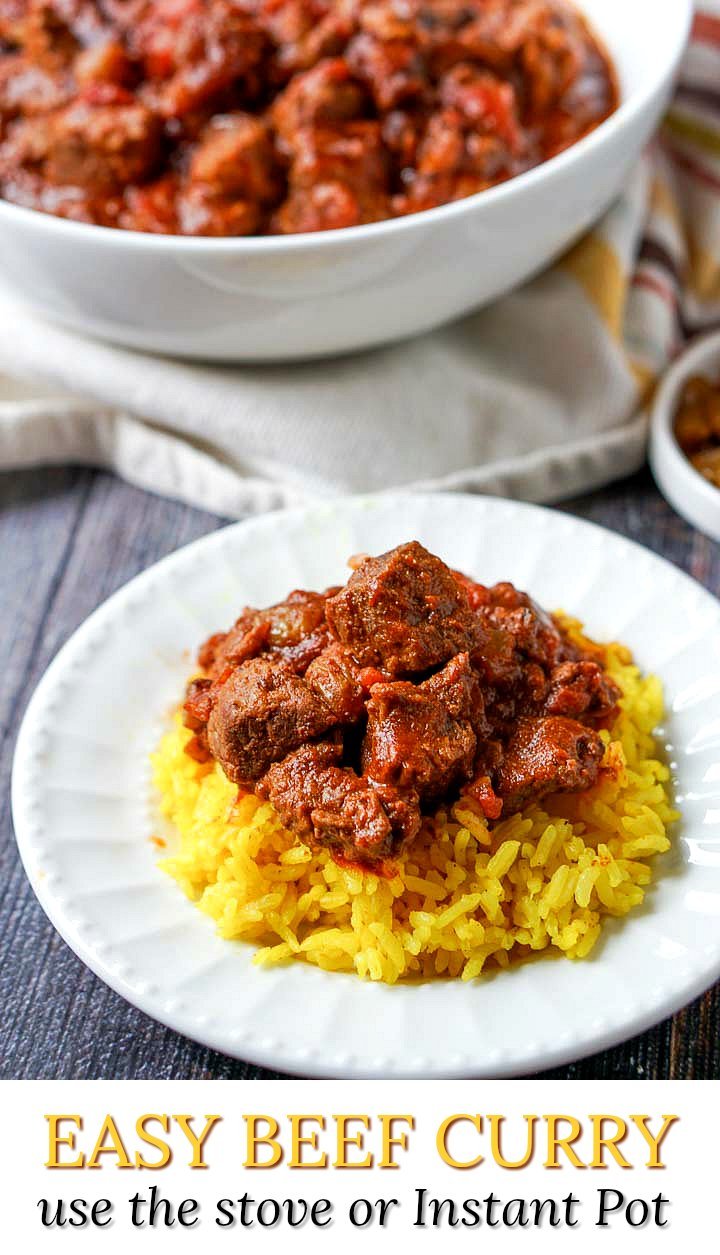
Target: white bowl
285, 298
686, 489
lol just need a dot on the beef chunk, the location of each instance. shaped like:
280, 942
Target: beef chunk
581, 690
404, 611
552, 60
102, 146
541, 48
350, 153
106, 62
535, 634
457, 689
197, 52
245, 640
330, 806
336, 677
199, 701
337, 178
302, 35
474, 138
50, 32
235, 157
548, 755
151, 207
391, 69
485, 101
289, 635
494, 655
326, 94
294, 631
329, 206
292, 621
424, 736
27, 90
203, 212
261, 713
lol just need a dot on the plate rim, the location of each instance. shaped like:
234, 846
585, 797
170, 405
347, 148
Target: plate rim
551, 1057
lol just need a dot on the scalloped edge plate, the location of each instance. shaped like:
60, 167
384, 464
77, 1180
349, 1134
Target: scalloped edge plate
82, 802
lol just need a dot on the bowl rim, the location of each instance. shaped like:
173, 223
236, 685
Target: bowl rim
626, 112
666, 456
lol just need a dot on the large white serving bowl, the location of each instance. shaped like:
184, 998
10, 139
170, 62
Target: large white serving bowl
285, 298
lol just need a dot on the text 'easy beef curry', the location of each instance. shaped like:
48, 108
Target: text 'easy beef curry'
356, 710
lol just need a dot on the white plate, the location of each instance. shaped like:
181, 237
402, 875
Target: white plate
83, 807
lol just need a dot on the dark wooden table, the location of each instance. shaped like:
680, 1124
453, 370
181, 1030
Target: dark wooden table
69, 538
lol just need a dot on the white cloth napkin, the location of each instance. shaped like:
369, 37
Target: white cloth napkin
539, 396
513, 401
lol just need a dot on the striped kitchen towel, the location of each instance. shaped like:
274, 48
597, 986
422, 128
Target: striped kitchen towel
491, 403
657, 289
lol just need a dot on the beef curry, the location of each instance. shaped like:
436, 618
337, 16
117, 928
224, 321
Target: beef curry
356, 710
245, 117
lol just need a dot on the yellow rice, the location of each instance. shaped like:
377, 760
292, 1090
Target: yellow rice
465, 897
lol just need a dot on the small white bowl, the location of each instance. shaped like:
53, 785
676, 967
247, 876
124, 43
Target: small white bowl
296, 297
688, 492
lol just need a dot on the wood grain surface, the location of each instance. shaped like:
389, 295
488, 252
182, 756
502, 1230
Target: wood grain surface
68, 539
